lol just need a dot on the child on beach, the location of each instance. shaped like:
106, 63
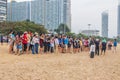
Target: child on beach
20, 47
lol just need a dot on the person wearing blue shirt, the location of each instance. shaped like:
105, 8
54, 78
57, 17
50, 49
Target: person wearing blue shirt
115, 45
60, 41
66, 43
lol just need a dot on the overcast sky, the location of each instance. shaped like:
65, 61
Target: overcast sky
86, 12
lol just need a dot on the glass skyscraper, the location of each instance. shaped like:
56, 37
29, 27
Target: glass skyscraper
118, 28
18, 11
105, 24
3, 10
58, 12
50, 13
38, 11
67, 12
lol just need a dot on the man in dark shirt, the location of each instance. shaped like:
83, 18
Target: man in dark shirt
1, 39
97, 43
104, 44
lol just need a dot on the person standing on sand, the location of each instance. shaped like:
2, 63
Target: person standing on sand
115, 45
25, 41
48, 44
18, 43
75, 45
109, 44
60, 43
45, 44
11, 42
52, 45
81, 45
35, 43
97, 46
28, 44
65, 43
103, 45
69, 45
1, 37
56, 44
92, 48
41, 41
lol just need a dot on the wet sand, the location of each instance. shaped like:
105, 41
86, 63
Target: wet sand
59, 66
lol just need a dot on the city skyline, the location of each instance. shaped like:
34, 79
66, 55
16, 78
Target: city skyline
86, 12
50, 13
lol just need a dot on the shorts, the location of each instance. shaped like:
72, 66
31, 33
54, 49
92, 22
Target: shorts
24, 47
78, 46
69, 45
1, 41
28, 44
20, 49
103, 49
17, 46
75, 46
62, 46
41, 45
11, 43
45, 48
48, 48
115, 46
66, 47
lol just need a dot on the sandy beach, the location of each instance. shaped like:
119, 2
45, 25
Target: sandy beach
59, 66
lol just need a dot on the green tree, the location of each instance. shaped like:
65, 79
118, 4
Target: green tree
62, 28
82, 35
22, 26
71, 34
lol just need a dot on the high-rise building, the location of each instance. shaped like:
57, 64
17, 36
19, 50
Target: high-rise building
38, 11
3, 10
50, 13
18, 11
46, 12
105, 24
118, 28
67, 12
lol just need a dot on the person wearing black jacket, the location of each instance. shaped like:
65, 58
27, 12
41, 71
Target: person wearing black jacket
97, 43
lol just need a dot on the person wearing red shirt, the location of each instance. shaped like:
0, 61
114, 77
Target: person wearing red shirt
24, 41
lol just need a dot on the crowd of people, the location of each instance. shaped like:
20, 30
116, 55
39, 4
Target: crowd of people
35, 43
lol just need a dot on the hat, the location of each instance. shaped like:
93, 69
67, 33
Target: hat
36, 33
97, 39
25, 32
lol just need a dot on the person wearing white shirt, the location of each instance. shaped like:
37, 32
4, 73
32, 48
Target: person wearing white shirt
56, 44
52, 45
35, 43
